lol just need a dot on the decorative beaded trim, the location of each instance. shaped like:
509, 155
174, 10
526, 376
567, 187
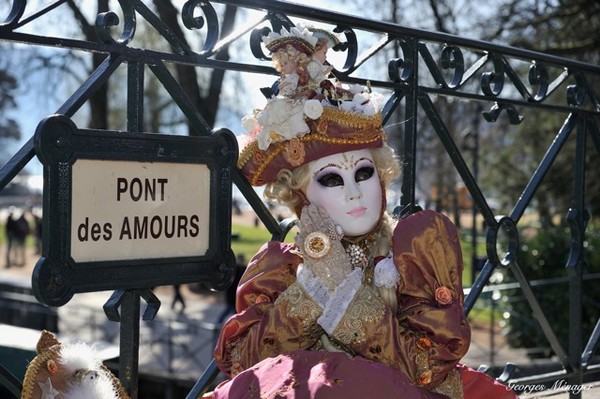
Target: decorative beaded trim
299, 305
335, 231
248, 152
350, 119
451, 386
358, 258
424, 373
365, 309
33, 369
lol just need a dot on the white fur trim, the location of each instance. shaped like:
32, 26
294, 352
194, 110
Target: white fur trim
78, 356
98, 388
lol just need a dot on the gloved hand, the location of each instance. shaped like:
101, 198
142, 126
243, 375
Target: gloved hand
320, 246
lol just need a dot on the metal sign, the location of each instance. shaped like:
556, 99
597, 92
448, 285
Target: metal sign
132, 210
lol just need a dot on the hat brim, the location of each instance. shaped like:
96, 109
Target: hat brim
336, 131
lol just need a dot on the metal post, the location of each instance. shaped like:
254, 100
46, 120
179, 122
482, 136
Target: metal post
492, 331
410, 132
474, 261
577, 218
475, 148
130, 342
471, 143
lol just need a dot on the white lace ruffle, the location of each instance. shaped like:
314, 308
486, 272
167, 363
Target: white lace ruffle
386, 274
340, 300
312, 286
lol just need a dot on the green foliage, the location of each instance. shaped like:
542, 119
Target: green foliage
509, 170
247, 240
543, 256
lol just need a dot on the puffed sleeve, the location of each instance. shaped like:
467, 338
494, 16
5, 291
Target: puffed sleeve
274, 313
429, 259
429, 333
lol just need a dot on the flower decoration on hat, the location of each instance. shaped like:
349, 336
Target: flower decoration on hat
304, 121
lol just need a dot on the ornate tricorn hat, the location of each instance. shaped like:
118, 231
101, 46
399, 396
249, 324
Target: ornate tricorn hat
335, 131
291, 131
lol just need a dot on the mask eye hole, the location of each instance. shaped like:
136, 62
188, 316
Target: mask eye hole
364, 173
331, 180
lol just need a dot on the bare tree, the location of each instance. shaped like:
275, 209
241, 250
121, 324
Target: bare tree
9, 128
567, 29
99, 101
564, 28
186, 75
203, 90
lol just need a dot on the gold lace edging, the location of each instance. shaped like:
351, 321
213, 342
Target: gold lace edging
366, 308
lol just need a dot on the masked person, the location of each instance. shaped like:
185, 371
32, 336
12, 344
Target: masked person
361, 305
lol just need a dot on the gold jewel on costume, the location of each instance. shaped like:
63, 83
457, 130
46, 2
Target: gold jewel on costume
359, 251
358, 248
317, 245
358, 258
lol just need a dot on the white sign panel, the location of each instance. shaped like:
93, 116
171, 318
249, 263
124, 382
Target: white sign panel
125, 210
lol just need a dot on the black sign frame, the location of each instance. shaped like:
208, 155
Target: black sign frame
59, 144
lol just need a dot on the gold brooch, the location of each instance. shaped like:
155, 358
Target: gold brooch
317, 245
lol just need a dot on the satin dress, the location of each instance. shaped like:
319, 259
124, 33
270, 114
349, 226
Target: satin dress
271, 347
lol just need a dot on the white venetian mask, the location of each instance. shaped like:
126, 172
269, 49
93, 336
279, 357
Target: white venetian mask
347, 186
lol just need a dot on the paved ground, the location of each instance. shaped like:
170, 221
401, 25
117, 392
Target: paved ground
180, 341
